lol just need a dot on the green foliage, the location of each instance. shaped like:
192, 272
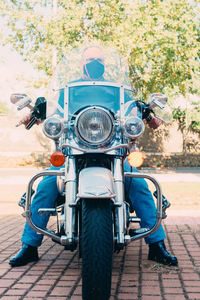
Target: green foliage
195, 126
160, 39
164, 46
193, 118
179, 115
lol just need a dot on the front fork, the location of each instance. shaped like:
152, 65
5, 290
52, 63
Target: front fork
70, 201
120, 210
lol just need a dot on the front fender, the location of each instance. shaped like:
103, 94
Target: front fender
96, 182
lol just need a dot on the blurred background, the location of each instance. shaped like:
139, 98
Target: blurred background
159, 40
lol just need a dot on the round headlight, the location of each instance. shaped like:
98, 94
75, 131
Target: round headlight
94, 126
133, 127
53, 127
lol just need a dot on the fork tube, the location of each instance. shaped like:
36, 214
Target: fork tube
70, 198
122, 102
119, 190
66, 103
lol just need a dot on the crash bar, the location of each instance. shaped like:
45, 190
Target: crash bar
159, 203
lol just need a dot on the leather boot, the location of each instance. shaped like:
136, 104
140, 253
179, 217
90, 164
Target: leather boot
158, 253
26, 254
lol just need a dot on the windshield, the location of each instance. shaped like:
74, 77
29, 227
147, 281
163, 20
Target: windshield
82, 65
71, 67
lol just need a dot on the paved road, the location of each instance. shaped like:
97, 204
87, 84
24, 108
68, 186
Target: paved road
57, 275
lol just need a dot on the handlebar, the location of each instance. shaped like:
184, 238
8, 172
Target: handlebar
39, 112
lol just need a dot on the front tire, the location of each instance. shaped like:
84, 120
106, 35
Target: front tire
96, 248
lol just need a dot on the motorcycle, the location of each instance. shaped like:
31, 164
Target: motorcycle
93, 136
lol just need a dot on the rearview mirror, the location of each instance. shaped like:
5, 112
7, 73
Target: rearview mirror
21, 100
157, 100
158, 103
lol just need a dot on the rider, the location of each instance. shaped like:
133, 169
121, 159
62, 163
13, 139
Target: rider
140, 196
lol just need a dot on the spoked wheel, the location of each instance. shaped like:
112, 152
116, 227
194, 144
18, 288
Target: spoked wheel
96, 249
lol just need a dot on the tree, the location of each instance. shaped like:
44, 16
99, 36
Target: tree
163, 45
159, 38
36, 32
187, 115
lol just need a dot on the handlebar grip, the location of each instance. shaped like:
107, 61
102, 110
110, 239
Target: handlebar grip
32, 121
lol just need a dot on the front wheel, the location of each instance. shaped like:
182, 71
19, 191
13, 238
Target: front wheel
96, 248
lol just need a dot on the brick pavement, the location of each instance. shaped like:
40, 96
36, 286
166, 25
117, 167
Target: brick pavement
57, 275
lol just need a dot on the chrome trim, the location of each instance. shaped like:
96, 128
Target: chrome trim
71, 201
46, 211
159, 203
134, 220
104, 83
50, 136
133, 136
122, 103
70, 198
119, 200
89, 143
66, 100
28, 211
96, 196
96, 182
61, 183
95, 150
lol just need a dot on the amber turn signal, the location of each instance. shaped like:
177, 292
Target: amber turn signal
135, 159
57, 159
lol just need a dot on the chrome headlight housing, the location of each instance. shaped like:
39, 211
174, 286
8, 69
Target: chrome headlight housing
53, 127
94, 126
133, 127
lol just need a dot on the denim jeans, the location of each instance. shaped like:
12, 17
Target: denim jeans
140, 197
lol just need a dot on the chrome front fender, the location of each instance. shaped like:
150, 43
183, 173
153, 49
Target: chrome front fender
96, 182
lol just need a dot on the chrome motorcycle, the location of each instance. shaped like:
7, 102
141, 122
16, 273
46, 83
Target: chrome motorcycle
93, 136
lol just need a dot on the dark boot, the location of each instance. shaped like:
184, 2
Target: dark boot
27, 254
158, 253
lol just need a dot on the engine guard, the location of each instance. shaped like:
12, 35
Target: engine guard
97, 183
94, 182
144, 232
28, 211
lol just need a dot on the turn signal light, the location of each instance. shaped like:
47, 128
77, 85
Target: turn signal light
57, 159
135, 159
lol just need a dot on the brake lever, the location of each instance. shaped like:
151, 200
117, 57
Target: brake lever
32, 121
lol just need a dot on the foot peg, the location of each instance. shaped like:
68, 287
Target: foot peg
47, 211
134, 220
165, 204
136, 231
